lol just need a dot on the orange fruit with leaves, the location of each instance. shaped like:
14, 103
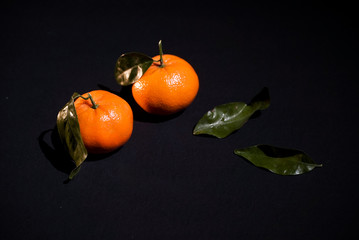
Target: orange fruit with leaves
105, 120
162, 85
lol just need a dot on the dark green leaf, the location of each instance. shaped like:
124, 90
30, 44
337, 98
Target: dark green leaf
227, 118
130, 67
278, 160
69, 132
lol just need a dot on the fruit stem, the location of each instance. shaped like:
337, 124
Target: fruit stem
94, 105
161, 53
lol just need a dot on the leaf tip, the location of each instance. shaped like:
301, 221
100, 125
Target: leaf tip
237, 151
197, 130
74, 172
263, 97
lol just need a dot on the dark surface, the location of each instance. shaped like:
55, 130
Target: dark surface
166, 183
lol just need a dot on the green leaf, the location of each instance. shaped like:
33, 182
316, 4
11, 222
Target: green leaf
227, 118
74, 172
69, 132
281, 161
130, 67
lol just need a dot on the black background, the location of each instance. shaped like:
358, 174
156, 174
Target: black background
166, 183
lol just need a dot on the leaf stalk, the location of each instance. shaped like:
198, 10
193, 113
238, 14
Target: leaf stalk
161, 54
94, 105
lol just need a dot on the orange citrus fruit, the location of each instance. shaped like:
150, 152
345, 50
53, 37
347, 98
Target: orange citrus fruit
105, 119
168, 86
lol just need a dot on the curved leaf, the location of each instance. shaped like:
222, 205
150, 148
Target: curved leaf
281, 161
227, 118
130, 67
69, 132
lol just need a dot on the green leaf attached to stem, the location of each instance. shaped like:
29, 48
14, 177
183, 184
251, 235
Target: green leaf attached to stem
130, 67
278, 160
227, 118
69, 132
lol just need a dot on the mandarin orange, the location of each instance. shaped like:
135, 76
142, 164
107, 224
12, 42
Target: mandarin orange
168, 86
105, 119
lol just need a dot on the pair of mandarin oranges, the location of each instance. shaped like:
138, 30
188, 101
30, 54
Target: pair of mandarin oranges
168, 86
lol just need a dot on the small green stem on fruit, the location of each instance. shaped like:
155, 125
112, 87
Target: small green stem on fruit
94, 105
161, 53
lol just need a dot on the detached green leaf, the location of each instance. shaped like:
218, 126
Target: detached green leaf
69, 132
278, 160
130, 67
227, 118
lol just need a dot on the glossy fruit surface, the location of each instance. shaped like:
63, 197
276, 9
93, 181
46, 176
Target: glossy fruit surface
168, 88
106, 127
